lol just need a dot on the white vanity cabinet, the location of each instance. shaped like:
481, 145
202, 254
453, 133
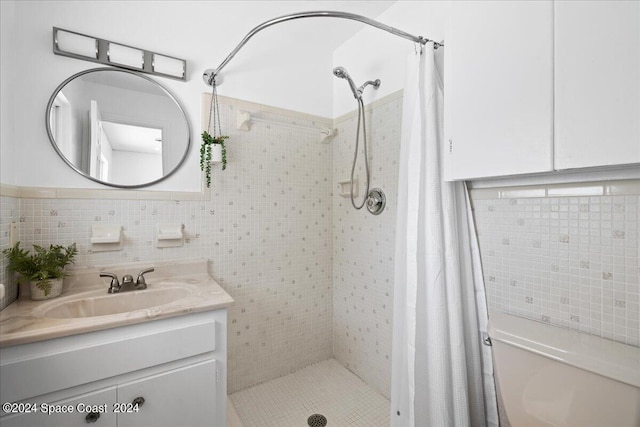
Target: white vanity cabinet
597, 83
498, 89
173, 368
72, 419
181, 397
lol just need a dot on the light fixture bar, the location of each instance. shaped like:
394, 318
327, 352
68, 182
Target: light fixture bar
81, 46
127, 56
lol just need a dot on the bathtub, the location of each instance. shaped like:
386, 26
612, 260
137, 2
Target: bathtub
549, 376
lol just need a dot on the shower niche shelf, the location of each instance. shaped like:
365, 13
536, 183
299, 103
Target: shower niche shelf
344, 188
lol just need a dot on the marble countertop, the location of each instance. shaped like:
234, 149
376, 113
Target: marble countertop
24, 321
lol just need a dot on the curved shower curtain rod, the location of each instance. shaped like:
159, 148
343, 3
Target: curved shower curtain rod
211, 73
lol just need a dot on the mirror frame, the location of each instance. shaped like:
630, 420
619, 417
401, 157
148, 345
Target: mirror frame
79, 171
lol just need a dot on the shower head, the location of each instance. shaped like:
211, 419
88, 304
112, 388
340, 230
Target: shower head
341, 73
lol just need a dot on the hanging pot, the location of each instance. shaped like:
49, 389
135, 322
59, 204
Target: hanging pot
216, 153
38, 294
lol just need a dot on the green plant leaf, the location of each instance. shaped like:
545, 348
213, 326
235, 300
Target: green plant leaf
205, 154
43, 263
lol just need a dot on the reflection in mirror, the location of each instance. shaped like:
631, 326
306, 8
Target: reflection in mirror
117, 127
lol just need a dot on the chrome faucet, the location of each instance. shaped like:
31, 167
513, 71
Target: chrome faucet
127, 282
140, 282
114, 286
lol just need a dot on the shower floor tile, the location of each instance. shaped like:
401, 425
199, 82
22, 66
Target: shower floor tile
325, 388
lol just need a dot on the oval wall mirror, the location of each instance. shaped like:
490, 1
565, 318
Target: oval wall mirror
117, 127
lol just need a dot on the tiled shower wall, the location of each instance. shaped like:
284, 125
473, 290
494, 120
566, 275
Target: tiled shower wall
9, 212
567, 261
363, 246
267, 230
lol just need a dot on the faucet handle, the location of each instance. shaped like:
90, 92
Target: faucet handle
114, 286
141, 283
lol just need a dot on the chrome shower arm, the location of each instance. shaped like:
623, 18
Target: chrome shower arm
210, 74
375, 83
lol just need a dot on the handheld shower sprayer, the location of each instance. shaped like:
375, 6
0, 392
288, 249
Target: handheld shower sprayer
341, 73
375, 199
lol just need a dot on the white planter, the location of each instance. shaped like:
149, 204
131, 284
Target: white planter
216, 153
37, 294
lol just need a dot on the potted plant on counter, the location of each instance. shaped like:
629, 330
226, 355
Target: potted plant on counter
212, 150
43, 268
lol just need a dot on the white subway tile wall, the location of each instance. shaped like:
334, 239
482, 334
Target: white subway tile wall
567, 261
9, 212
364, 245
266, 230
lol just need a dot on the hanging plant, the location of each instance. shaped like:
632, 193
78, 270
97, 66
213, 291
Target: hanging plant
212, 139
208, 142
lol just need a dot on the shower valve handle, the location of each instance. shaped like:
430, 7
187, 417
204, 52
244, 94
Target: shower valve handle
376, 201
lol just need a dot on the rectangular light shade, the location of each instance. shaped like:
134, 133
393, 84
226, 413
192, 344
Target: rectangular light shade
95, 49
166, 65
77, 44
124, 55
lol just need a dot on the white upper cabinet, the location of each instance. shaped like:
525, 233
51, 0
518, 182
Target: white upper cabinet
597, 83
499, 89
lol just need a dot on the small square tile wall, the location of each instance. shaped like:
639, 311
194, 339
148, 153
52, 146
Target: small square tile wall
364, 246
567, 261
9, 213
311, 276
266, 230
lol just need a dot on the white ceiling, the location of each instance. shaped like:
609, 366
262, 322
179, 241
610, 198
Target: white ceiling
137, 139
237, 18
286, 65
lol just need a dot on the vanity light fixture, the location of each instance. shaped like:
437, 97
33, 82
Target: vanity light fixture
125, 55
94, 49
76, 44
167, 65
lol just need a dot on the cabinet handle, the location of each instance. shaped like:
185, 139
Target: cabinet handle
138, 401
92, 417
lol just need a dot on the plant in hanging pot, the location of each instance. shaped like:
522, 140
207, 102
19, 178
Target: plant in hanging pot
212, 150
44, 268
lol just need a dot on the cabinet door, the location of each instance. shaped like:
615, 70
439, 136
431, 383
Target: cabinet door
498, 89
597, 78
101, 401
184, 397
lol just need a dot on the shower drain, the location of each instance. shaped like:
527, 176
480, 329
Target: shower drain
317, 420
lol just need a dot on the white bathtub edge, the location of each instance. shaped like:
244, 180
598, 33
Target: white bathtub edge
594, 354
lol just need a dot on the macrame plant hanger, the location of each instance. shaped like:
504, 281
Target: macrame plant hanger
213, 135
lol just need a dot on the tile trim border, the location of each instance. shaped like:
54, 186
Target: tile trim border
205, 105
369, 107
8, 190
583, 189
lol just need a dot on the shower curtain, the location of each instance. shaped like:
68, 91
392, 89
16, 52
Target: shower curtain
442, 374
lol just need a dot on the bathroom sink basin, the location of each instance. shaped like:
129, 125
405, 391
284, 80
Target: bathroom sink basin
105, 305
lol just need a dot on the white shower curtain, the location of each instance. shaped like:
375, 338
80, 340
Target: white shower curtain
442, 374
